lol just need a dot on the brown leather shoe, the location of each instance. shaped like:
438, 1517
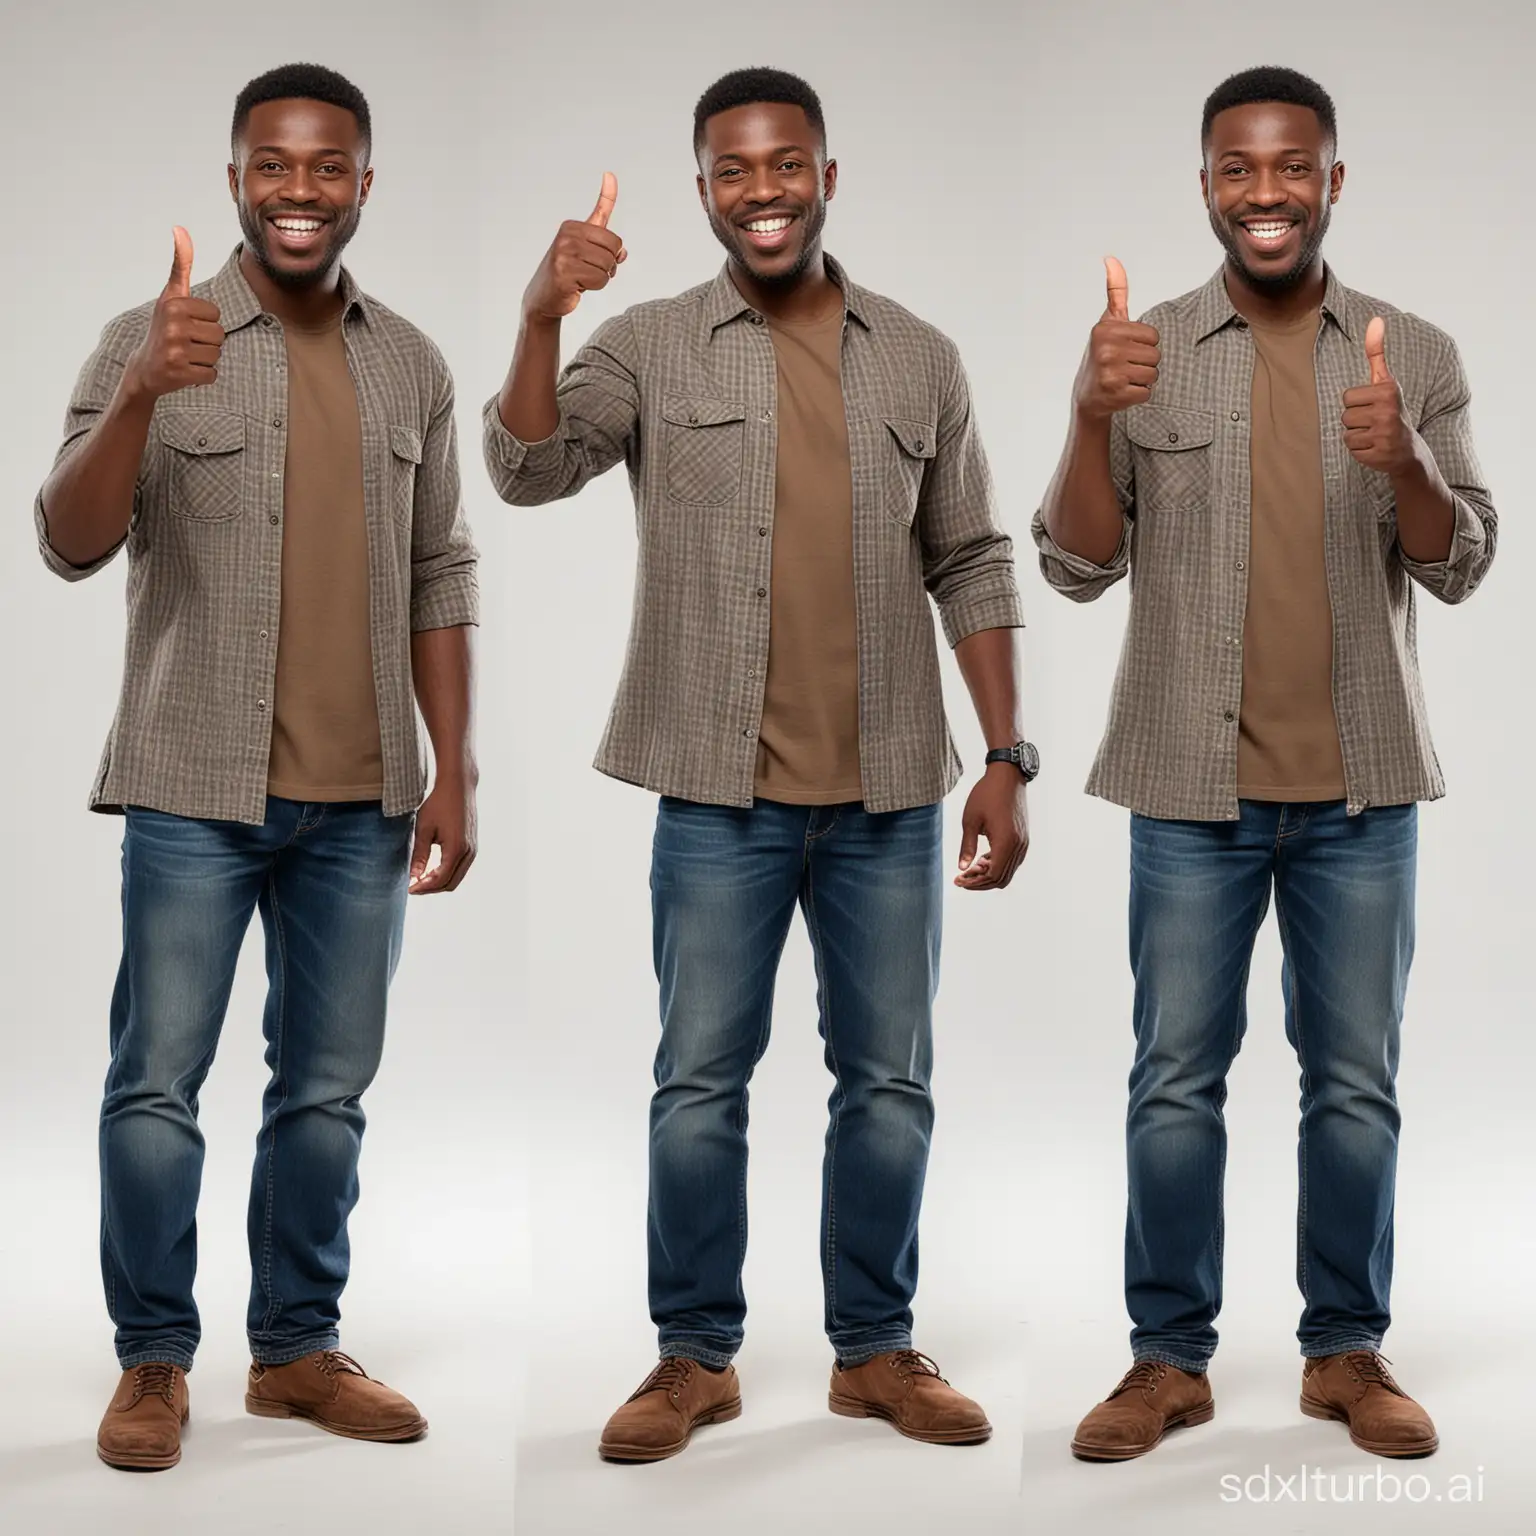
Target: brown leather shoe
1152, 1398
1357, 1389
332, 1390
141, 1429
905, 1389
659, 1417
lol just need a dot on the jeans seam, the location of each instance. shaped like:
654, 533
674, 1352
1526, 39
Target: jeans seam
274, 1305
829, 1238
1302, 1274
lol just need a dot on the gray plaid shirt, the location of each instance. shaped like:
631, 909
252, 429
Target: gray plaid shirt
684, 391
1181, 467
194, 721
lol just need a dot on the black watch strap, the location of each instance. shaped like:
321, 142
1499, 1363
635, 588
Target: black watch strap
1021, 754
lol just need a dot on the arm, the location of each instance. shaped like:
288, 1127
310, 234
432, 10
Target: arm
997, 808
442, 668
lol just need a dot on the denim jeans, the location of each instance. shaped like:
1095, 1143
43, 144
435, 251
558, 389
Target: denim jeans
724, 885
330, 883
1344, 898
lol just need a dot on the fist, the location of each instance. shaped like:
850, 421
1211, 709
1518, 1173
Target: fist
585, 255
1376, 426
185, 337
1120, 366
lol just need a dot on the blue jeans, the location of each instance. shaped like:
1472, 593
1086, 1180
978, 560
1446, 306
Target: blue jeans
330, 883
1344, 898
724, 886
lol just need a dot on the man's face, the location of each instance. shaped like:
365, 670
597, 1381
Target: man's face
1269, 181
764, 182
300, 180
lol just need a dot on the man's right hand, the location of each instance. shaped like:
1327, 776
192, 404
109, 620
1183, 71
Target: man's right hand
1120, 366
185, 337
585, 255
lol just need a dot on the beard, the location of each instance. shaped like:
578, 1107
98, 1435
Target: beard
253, 228
812, 220
1273, 282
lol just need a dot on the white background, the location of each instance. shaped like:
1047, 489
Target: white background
990, 155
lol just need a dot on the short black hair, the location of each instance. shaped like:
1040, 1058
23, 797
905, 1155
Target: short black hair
307, 82
1269, 82
743, 87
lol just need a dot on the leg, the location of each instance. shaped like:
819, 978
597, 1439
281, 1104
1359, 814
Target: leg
723, 884
1199, 891
189, 888
1344, 893
334, 911
874, 900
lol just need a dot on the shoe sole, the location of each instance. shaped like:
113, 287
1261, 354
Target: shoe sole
1375, 1447
854, 1408
1201, 1415
125, 1461
263, 1408
721, 1415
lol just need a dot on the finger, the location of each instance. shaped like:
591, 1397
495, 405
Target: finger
978, 876
591, 242
179, 285
206, 332
1376, 350
1117, 287
437, 878
200, 356
969, 836
204, 310
1148, 357
605, 200
421, 849
588, 274
1139, 373
461, 869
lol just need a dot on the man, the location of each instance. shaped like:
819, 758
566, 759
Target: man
807, 469
276, 451
1277, 459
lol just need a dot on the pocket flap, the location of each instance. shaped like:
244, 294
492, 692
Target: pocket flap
1169, 428
405, 443
201, 432
916, 437
686, 411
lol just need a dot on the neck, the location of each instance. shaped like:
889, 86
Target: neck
313, 304
811, 295
1276, 305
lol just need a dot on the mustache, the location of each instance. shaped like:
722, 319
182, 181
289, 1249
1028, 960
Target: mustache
1261, 215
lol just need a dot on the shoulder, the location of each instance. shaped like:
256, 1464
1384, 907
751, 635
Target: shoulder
899, 327
1171, 314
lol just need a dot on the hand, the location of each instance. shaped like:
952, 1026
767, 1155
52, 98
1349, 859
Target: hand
447, 820
584, 256
1120, 366
185, 338
996, 810
1376, 426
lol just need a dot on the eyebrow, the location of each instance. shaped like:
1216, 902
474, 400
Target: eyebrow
1227, 154
278, 149
783, 149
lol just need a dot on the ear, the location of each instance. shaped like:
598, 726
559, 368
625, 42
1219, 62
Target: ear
829, 180
1205, 187
362, 196
703, 193
234, 182
1335, 180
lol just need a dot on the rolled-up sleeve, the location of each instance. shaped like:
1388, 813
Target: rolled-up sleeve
445, 585
1446, 427
92, 394
1072, 575
599, 400
968, 565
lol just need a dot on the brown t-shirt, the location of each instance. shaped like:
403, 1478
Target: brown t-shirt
808, 744
1288, 735
325, 712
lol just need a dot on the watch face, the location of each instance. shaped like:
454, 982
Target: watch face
1029, 759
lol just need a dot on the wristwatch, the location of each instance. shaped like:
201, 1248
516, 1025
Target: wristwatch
1021, 754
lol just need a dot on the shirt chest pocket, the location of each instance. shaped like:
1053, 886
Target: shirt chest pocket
908, 448
204, 464
1173, 461
404, 463
705, 444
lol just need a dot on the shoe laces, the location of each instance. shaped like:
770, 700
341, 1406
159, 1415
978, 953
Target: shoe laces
912, 1362
1370, 1369
1145, 1373
332, 1360
670, 1376
156, 1377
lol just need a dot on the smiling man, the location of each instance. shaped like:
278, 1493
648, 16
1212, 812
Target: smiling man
808, 472
275, 450
1278, 461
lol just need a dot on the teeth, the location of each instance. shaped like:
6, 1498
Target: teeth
768, 226
1268, 231
298, 226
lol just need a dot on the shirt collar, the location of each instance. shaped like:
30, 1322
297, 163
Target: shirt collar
724, 301
238, 304
1213, 306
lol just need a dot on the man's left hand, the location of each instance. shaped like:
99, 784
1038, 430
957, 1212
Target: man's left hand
1377, 430
996, 810
446, 820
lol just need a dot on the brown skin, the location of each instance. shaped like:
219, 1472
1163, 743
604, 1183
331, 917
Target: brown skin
1268, 160
298, 157
766, 160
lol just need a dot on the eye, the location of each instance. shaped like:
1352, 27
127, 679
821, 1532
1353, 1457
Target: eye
1298, 168
790, 165
729, 172
330, 168
267, 167
1235, 170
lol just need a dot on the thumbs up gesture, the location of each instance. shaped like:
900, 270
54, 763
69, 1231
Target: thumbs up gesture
1376, 426
1120, 366
182, 347
585, 255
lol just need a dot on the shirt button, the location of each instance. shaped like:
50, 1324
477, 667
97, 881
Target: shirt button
767, 415
762, 591
751, 671
693, 421
917, 446
757, 319
202, 442
273, 518
1228, 716
762, 533
269, 319
263, 634
1237, 415
277, 474
261, 703
1173, 437
1242, 324
749, 732
1241, 566
277, 421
